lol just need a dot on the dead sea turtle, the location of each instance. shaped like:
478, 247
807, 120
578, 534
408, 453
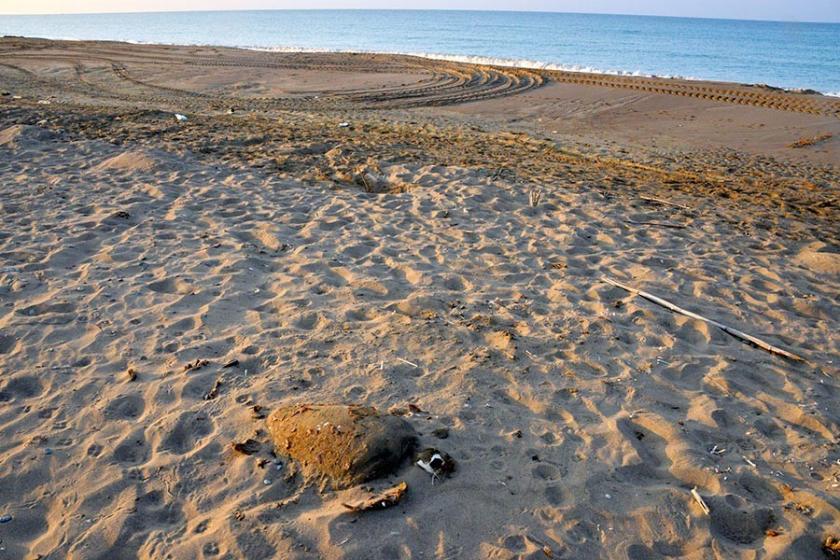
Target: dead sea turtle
341, 444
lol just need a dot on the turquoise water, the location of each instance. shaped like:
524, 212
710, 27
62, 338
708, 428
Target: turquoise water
791, 55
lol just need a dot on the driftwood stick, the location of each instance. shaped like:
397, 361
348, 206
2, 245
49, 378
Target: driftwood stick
729, 330
699, 499
658, 224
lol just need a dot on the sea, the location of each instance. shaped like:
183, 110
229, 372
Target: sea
791, 55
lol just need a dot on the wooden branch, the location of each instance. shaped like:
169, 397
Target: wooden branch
729, 330
699, 499
658, 224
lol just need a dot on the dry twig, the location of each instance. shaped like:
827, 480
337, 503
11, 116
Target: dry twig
699, 499
729, 330
658, 224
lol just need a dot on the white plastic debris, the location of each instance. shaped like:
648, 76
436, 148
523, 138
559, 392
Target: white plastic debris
343, 124
180, 118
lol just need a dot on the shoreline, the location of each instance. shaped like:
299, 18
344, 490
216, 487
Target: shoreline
478, 60
805, 101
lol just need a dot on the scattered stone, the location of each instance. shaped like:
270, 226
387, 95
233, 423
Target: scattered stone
383, 500
132, 374
341, 444
247, 447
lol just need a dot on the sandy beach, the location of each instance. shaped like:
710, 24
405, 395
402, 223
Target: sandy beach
431, 239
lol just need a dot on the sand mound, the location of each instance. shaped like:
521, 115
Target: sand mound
133, 160
24, 135
345, 445
819, 261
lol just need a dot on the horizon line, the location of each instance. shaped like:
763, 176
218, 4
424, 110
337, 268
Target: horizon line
179, 11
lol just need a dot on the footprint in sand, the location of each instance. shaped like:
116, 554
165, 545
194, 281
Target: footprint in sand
357, 251
544, 471
735, 521
554, 495
199, 386
24, 387
169, 286
127, 407
7, 343
133, 449
156, 507
308, 321
190, 428
44, 308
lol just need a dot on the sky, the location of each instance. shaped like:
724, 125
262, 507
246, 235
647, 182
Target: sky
783, 10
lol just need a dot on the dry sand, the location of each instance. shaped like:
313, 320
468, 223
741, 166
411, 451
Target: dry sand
165, 285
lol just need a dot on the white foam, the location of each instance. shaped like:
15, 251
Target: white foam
481, 60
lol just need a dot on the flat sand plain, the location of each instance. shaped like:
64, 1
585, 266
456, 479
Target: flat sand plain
388, 231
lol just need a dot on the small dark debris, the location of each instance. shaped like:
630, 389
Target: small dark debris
247, 447
441, 433
214, 392
831, 547
132, 374
196, 365
259, 412
232, 363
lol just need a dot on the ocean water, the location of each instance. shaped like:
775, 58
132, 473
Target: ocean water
789, 55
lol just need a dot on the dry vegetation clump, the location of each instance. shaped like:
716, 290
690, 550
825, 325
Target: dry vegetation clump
804, 142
